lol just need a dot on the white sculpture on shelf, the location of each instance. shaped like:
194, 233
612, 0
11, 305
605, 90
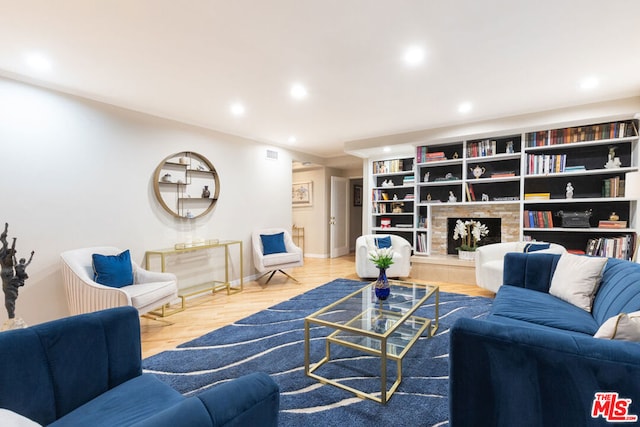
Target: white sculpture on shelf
569, 191
613, 162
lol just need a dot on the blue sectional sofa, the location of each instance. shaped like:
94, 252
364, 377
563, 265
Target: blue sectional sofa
85, 370
534, 361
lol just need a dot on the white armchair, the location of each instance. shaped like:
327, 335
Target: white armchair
365, 268
490, 261
274, 262
149, 291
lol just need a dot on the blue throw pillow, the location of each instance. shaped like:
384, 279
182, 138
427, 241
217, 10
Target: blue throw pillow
113, 270
273, 243
532, 247
383, 242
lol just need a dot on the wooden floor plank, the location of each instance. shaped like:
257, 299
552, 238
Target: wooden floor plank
208, 312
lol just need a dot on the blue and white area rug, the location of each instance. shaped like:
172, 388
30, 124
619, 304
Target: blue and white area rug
272, 341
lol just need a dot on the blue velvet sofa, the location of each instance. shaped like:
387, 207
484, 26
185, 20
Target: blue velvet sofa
85, 370
534, 361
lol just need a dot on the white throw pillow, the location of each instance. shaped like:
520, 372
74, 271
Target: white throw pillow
11, 419
621, 327
577, 278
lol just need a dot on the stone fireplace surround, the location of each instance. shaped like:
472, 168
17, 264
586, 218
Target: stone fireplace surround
440, 267
509, 213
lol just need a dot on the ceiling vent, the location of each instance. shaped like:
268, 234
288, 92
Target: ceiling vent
272, 155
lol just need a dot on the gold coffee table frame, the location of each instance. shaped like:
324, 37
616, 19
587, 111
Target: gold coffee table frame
357, 330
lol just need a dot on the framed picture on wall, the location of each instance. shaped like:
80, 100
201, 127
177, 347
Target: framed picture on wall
302, 194
357, 195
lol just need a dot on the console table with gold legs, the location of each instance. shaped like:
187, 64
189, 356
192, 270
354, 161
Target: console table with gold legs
209, 286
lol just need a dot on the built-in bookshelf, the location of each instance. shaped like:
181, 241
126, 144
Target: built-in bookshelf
393, 197
545, 171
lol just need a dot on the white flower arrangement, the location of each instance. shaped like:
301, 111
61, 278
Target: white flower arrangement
471, 232
382, 258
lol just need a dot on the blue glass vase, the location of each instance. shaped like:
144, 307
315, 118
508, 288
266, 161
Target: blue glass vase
382, 285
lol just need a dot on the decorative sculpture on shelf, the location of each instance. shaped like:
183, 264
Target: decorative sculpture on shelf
613, 162
13, 276
569, 191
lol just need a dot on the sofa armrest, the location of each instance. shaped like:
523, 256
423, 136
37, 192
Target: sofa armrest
251, 400
504, 375
147, 276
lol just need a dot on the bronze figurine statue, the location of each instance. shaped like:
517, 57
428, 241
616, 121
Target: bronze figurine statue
13, 272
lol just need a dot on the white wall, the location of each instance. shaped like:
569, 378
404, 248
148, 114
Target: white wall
313, 218
77, 173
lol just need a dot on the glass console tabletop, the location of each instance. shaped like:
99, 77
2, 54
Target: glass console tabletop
387, 329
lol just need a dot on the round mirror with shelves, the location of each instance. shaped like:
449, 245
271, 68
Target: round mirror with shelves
186, 185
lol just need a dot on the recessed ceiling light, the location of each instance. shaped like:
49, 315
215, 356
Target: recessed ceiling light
37, 61
589, 83
298, 91
465, 107
237, 109
386, 149
414, 55
292, 139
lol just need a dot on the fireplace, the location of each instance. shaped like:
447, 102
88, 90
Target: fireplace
493, 224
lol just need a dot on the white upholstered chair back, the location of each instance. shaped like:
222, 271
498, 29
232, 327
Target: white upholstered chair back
150, 290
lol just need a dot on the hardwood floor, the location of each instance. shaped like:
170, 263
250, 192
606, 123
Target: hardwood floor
208, 312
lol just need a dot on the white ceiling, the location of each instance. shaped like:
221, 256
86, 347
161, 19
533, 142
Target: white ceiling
190, 60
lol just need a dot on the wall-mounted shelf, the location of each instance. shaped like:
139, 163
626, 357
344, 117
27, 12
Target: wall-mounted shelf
181, 183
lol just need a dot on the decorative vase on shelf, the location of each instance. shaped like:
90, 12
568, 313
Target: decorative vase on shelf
466, 255
381, 285
205, 192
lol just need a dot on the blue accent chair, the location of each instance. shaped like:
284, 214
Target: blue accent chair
534, 361
85, 370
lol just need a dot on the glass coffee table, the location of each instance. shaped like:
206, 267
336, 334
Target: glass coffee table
387, 329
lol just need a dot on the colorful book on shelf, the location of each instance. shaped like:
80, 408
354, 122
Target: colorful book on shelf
503, 174
574, 168
613, 247
613, 187
612, 224
537, 196
434, 156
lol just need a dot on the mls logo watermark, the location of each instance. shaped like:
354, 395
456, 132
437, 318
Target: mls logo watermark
612, 408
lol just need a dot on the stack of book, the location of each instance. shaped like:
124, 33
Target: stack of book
421, 241
582, 133
546, 163
611, 224
423, 156
481, 148
613, 187
409, 180
613, 247
593, 133
503, 174
537, 219
536, 139
379, 208
388, 166
537, 196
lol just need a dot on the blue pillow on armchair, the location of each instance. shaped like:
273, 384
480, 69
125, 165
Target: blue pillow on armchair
533, 247
273, 243
383, 242
113, 270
